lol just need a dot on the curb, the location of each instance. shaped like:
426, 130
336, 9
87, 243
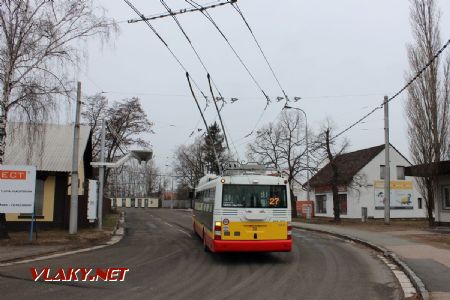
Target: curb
116, 236
416, 281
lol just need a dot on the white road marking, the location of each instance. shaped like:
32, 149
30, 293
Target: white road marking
405, 283
181, 230
169, 224
114, 239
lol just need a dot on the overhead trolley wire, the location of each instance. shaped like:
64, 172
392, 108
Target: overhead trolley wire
238, 9
258, 85
166, 45
218, 112
210, 80
204, 122
182, 11
418, 74
208, 16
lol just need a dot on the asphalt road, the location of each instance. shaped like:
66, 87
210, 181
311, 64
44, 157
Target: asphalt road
167, 261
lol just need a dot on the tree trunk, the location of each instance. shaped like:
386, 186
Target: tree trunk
336, 204
430, 202
3, 228
293, 203
334, 180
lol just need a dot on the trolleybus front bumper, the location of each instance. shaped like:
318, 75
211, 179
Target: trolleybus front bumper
252, 246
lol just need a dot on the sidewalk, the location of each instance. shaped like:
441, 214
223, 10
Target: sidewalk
426, 252
56, 242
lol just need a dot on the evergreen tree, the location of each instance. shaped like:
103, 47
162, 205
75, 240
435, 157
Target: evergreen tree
214, 140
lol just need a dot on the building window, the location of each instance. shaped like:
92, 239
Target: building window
419, 203
382, 168
321, 204
38, 199
446, 197
400, 173
343, 203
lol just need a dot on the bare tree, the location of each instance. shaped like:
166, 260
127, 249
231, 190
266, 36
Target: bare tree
133, 180
428, 97
126, 122
331, 152
95, 110
39, 39
283, 146
190, 163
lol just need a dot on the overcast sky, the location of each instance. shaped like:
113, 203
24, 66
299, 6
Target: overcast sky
340, 57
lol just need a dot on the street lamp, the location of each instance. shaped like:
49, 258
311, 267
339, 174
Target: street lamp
307, 146
140, 155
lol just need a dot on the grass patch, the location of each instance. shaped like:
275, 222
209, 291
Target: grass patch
110, 221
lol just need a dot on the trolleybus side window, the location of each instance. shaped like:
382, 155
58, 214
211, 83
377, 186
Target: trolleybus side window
254, 196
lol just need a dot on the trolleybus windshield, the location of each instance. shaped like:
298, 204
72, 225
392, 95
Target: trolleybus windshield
254, 196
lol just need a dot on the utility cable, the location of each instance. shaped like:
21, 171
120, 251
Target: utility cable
418, 74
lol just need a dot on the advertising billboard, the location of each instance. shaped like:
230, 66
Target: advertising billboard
401, 194
17, 189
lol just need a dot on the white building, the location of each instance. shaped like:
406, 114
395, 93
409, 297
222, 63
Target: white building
361, 186
441, 173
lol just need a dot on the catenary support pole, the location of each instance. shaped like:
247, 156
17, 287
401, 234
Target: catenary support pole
101, 177
73, 218
387, 169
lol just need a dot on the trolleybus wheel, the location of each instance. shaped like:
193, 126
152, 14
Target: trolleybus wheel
205, 247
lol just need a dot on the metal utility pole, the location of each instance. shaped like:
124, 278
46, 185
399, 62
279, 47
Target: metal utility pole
307, 148
387, 172
171, 193
73, 219
101, 177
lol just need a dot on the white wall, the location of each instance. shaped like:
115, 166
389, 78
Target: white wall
442, 215
365, 196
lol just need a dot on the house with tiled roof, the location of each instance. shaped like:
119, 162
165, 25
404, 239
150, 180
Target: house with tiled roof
361, 186
49, 148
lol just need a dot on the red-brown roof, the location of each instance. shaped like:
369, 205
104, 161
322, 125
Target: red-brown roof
348, 165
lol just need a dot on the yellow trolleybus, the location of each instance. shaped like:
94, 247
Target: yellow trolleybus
245, 209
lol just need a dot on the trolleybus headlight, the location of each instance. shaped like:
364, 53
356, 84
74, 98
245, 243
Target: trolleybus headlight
226, 221
222, 180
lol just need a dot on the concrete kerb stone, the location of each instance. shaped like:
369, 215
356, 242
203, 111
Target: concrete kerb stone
416, 281
116, 235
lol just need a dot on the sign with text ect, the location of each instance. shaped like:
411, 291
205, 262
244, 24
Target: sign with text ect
17, 189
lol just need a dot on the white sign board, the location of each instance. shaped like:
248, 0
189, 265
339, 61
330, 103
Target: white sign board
92, 201
17, 189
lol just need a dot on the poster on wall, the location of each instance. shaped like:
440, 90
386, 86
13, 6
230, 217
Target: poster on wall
17, 189
401, 194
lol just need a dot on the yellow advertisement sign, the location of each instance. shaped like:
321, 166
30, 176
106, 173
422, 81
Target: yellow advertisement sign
401, 196
395, 185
